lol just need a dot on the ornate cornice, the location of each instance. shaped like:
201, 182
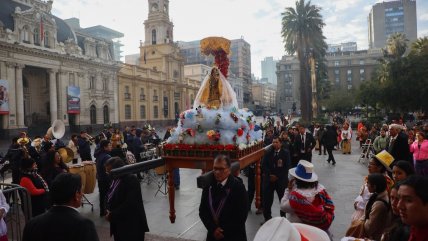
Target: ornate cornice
17, 48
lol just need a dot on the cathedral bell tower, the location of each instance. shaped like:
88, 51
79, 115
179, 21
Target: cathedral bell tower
158, 51
159, 29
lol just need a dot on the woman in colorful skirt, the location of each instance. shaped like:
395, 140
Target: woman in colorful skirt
346, 139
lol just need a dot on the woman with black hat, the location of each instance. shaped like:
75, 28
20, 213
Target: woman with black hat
35, 185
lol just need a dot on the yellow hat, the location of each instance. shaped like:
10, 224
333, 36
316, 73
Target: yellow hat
385, 158
23, 141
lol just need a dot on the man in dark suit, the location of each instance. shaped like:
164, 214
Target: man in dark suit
125, 208
63, 221
224, 204
275, 176
398, 145
278, 129
84, 146
304, 144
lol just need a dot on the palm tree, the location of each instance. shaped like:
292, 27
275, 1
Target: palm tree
420, 46
302, 34
396, 45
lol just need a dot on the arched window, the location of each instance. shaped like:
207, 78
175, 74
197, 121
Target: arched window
25, 35
154, 36
93, 114
37, 36
106, 115
46, 35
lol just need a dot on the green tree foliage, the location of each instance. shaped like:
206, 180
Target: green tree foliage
400, 82
302, 34
340, 100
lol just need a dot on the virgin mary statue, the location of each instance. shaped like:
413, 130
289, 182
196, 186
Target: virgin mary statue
216, 92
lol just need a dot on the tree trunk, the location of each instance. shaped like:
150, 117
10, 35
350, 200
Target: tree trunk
305, 90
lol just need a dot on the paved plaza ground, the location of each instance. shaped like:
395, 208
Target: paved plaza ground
341, 181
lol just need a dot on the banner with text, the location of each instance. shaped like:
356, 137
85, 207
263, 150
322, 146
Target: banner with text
73, 100
4, 97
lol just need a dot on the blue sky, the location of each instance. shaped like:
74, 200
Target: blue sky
257, 21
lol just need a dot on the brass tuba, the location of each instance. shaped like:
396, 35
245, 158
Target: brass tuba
57, 130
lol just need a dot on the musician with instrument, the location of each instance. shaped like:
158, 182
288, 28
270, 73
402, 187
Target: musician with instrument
54, 165
35, 150
72, 144
14, 155
84, 145
35, 185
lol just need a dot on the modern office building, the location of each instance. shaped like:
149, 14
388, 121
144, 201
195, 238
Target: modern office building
240, 65
343, 47
288, 75
264, 97
347, 70
50, 71
387, 18
191, 52
269, 70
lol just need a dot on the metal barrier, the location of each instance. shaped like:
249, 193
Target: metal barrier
20, 211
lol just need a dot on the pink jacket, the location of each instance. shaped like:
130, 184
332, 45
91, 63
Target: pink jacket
419, 154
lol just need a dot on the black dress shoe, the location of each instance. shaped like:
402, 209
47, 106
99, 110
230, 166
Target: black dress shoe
334, 164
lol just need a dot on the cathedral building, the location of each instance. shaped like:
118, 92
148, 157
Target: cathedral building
49, 71
155, 90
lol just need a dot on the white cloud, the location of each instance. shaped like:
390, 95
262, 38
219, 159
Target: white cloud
424, 17
258, 21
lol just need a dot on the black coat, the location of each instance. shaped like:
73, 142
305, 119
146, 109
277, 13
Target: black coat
329, 138
309, 143
84, 148
234, 214
128, 217
272, 165
400, 149
60, 223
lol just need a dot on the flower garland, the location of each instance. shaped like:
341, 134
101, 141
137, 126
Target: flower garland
213, 135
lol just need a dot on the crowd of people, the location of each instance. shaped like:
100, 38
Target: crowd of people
385, 204
392, 203
37, 165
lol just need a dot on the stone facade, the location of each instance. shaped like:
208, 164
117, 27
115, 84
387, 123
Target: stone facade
264, 95
147, 97
345, 71
41, 57
288, 77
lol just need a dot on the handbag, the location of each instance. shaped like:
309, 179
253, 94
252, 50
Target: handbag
356, 229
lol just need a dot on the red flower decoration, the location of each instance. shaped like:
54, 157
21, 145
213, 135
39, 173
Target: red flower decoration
240, 132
